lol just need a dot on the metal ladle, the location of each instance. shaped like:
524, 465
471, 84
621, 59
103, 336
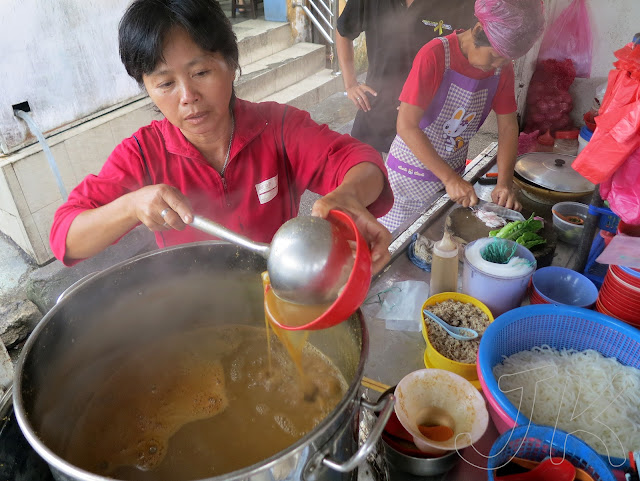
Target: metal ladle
459, 333
308, 260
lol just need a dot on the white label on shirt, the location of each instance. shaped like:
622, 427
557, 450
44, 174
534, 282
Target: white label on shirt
267, 189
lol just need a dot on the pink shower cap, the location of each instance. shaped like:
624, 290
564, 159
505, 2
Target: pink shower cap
512, 26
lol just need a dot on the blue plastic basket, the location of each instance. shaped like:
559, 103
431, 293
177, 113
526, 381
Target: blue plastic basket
536, 443
561, 327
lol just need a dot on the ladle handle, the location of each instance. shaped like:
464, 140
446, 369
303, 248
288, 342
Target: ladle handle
216, 230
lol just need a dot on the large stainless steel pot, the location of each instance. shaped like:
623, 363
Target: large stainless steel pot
166, 291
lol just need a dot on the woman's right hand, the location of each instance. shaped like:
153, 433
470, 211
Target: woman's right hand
461, 192
358, 95
161, 207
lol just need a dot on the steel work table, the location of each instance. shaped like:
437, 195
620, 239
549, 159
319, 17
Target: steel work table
393, 354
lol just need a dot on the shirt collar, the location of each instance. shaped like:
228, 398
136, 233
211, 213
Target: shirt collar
249, 123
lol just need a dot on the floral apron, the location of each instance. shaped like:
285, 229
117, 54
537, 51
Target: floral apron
457, 111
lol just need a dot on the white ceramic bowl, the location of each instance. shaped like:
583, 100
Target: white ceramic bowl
454, 399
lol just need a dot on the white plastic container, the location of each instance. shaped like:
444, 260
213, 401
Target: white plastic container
569, 232
584, 138
500, 294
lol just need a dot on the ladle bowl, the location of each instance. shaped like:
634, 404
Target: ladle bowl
355, 289
309, 259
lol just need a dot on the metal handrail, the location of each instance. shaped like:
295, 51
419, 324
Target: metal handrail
323, 14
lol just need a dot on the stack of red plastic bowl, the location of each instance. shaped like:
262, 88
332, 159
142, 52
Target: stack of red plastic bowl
619, 295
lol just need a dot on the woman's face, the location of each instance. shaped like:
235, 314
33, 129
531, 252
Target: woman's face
192, 87
485, 58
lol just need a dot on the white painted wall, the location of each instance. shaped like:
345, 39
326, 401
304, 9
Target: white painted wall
613, 24
61, 56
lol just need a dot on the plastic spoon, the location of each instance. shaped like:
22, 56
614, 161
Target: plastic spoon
459, 333
557, 469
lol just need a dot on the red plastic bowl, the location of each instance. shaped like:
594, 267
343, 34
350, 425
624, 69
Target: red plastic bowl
625, 276
355, 290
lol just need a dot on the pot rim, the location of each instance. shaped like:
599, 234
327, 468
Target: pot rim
69, 469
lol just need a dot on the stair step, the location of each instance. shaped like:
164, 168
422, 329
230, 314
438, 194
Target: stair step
258, 39
309, 91
280, 70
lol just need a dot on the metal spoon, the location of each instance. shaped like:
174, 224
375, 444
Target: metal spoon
308, 260
459, 333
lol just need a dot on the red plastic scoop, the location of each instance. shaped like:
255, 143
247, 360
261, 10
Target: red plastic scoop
556, 469
350, 297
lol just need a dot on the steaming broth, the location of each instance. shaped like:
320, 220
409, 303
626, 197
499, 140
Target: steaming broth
201, 404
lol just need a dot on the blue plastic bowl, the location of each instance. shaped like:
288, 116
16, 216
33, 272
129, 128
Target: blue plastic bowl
560, 327
559, 285
536, 443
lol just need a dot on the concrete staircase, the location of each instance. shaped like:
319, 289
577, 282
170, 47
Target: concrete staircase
275, 68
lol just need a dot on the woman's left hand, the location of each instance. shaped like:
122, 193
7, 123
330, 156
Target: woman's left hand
506, 197
377, 236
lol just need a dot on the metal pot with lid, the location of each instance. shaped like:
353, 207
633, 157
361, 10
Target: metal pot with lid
548, 178
162, 296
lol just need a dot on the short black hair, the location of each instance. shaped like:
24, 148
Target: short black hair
146, 23
480, 38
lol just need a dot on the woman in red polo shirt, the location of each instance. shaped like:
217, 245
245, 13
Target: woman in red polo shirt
454, 83
242, 164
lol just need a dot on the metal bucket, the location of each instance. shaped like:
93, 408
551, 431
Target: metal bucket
164, 292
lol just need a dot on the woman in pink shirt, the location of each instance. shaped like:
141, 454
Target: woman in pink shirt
242, 164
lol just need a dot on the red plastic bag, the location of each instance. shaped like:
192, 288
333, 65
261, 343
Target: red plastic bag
622, 190
618, 132
569, 36
549, 102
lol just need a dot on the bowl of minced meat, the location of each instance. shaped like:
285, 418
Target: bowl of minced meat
445, 352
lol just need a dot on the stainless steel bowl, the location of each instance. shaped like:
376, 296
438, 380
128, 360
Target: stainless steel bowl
417, 466
420, 466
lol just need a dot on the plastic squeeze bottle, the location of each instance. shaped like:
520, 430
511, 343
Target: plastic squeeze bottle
444, 266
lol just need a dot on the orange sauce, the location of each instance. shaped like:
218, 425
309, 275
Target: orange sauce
289, 314
436, 433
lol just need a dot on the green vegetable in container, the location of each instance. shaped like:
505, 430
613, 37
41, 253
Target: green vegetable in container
523, 232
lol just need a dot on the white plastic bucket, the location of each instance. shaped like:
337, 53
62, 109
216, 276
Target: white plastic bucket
499, 294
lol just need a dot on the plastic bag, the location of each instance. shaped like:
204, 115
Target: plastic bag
622, 190
549, 102
618, 132
569, 36
402, 306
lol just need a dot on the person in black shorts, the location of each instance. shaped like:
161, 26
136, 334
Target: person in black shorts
395, 30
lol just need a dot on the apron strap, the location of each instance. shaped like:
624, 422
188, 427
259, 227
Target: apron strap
447, 53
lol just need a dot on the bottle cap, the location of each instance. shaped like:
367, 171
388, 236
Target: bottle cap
446, 247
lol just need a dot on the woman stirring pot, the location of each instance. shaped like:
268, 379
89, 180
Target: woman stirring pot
242, 164
454, 84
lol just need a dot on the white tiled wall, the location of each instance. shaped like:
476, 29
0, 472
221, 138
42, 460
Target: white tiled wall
29, 194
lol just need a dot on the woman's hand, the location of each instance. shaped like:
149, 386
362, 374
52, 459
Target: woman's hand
358, 95
506, 197
376, 235
161, 207
461, 191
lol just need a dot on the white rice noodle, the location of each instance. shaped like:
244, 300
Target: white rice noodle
582, 392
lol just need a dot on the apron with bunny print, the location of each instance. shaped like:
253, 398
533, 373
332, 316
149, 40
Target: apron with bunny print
457, 111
